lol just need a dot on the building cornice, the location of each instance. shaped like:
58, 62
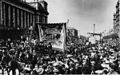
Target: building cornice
20, 5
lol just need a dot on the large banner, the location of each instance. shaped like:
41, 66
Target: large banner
53, 33
92, 40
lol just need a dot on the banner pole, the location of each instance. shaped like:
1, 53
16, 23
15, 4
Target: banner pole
65, 43
67, 23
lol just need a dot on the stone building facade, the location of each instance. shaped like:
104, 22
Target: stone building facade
116, 22
19, 14
116, 19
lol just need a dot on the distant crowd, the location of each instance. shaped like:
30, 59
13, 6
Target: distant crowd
38, 58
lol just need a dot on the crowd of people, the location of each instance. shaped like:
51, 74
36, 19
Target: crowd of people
39, 58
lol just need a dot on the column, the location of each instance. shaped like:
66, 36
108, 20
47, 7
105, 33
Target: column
9, 16
4, 20
21, 19
0, 12
46, 19
41, 18
2, 15
31, 19
6, 15
18, 18
37, 18
25, 19
28, 20
13, 21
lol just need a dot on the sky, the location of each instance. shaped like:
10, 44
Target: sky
82, 14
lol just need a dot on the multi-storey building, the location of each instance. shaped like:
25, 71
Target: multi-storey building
116, 22
116, 19
19, 14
